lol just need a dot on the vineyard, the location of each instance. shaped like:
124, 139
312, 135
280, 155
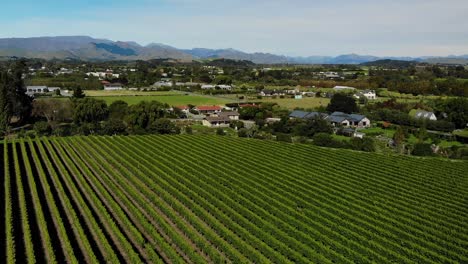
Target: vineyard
209, 199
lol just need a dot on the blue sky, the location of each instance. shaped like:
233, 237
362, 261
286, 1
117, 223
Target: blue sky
290, 27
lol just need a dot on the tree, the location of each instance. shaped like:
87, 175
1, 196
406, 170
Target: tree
142, 115
118, 110
89, 110
52, 110
457, 111
324, 140
5, 109
114, 127
311, 126
342, 103
399, 138
163, 126
78, 93
13, 98
21, 103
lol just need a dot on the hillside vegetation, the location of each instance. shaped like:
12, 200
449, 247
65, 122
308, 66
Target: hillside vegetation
209, 199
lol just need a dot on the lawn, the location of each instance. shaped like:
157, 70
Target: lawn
129, 93
174, 100
461, 133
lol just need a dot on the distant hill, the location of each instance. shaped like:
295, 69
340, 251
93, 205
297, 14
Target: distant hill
86, 48
260, 58
448, 60
93, 49
389, 63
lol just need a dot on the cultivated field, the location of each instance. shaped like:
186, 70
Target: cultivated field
174, 100
212, 199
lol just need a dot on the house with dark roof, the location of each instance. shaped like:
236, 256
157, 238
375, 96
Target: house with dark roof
216, 121
305, 115
232, 115
348, 120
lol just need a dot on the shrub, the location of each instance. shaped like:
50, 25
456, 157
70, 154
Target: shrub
422, 149
243, 132
42, 128
220, 132
283, 137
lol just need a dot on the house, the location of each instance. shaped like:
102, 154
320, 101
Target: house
208, 109
305, 115
53, 89
224, 87
308, 94
348, 120
331, 75
216, 121
339, 88
160, 84
421, 114
232, 115
113, 87
292, 91
271, 93
187, 84
103, 75
271, 120
369, 94
31, 90
183, 108
208, 87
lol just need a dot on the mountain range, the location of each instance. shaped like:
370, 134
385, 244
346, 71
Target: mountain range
93, 49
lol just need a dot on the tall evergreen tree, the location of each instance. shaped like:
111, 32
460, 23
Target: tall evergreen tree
21, 103
5, 112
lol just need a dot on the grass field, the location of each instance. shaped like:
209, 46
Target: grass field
174, 100
214, 199
130, 93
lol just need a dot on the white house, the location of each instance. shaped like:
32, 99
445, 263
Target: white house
369, 94
103, 75
224, 87
113, 87
208, 87
421, 114
339, 88
163, 84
